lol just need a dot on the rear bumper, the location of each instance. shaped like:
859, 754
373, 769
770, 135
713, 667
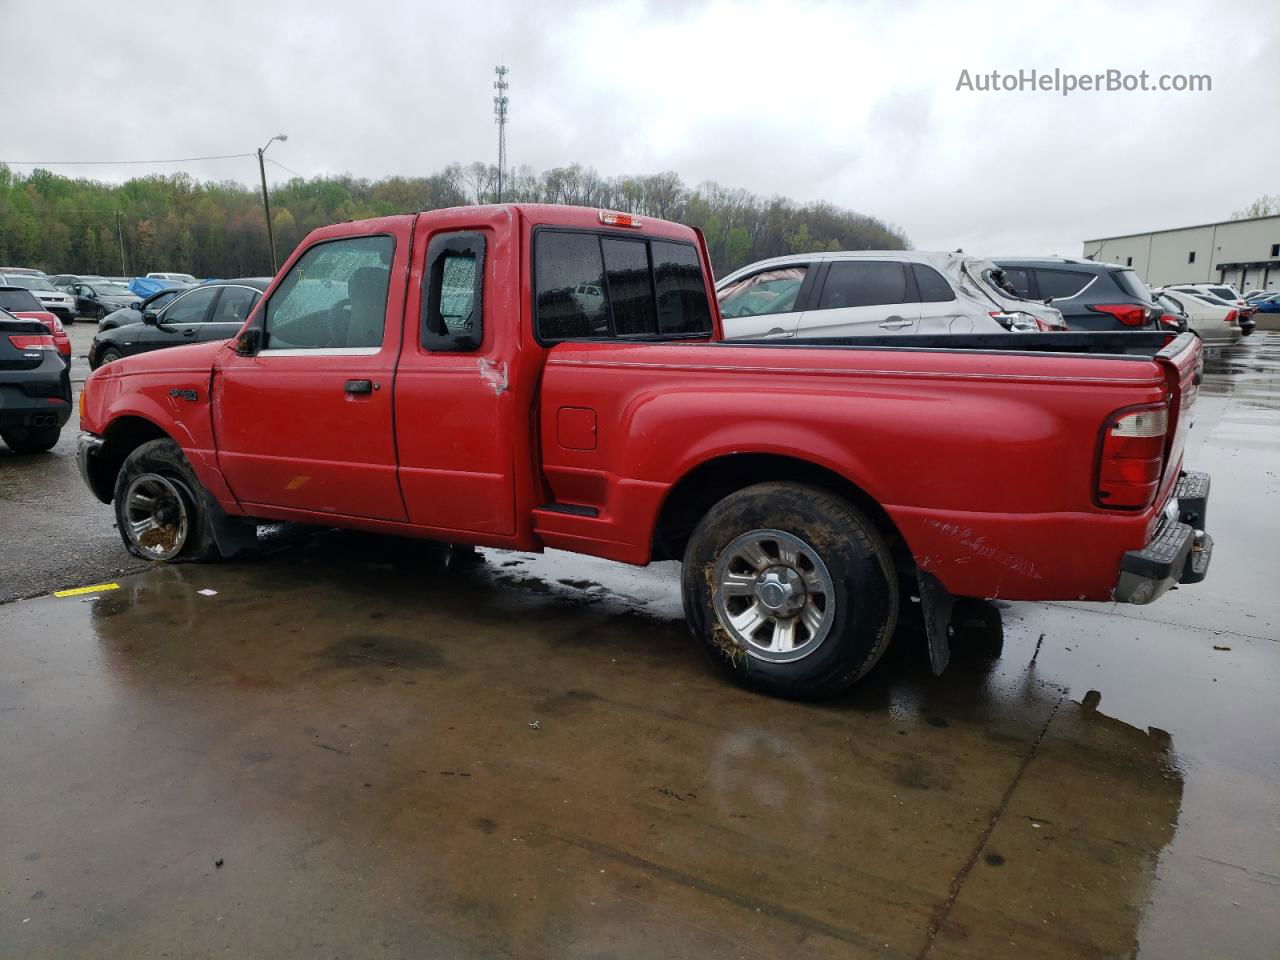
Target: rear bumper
17, 409
1179, 551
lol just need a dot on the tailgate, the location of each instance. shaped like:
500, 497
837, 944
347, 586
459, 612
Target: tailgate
1183, 364
12, 355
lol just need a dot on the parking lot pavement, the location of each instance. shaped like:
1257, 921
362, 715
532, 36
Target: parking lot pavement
364, 747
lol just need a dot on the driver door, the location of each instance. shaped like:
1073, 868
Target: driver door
304, 423
179, 322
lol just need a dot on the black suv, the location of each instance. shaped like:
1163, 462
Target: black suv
35, 386
1091, 296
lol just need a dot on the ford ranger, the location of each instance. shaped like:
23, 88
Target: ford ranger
532, 377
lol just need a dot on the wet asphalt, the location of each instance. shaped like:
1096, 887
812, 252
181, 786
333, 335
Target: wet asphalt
361, 747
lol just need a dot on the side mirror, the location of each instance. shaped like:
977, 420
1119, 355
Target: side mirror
150, 319
249, 342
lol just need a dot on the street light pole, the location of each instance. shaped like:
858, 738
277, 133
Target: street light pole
266, 204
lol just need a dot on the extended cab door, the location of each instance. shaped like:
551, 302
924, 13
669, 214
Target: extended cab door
456, 415
766, 303
860, 298
304, 421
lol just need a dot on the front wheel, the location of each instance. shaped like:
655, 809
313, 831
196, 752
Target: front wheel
159, 510
109, 355
791, 589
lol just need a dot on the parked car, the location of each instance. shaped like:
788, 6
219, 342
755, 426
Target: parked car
20, 302
480, 403
35, 386
1255, 295
1091, 296
22, 272
215, 311
96, 298
1269, 304
66, 282
133, 314
1216, 323
175, 277
873, 293
57, 302
1172, 314
1222, 295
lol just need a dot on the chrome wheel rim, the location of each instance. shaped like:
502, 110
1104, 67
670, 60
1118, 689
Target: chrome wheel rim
155, 516
773, 595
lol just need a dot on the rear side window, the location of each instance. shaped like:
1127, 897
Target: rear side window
1061, 284
931, 284
590, 285
863, 283
453, 304
1226, 293
1132, 284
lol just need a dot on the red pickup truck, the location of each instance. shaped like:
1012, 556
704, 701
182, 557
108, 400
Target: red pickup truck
542, 376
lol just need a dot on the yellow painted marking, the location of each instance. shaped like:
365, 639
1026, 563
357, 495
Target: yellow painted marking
93, 589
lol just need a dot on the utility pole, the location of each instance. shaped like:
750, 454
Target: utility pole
500, 118
124, 270
266, 204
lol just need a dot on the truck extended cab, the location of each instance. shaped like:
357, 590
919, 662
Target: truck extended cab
542, 376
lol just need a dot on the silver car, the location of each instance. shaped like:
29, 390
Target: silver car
874, 293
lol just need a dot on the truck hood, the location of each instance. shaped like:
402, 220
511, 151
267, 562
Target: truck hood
192, 357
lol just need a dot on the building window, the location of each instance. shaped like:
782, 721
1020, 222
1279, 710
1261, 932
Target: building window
1191, 257
1275, 249
1128, 262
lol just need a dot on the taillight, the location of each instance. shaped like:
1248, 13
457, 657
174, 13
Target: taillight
1016, 321
1129, 314
1132, 456
1231, 317
34, 341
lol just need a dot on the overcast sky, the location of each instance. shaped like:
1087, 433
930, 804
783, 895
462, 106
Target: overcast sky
855, 103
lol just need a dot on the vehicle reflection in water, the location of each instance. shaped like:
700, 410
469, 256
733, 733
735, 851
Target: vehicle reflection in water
529, 754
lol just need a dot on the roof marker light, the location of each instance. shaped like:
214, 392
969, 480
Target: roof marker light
620, 219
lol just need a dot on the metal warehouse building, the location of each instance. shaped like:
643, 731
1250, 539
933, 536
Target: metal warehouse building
1244, 253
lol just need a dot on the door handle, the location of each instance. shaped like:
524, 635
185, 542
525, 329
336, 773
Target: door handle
188, 333
358, 386
895, 323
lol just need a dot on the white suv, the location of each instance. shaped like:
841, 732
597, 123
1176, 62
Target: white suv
874, 293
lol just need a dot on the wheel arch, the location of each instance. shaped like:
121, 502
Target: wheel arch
700, 488
122, 437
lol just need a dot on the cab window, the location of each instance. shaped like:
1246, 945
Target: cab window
333, 297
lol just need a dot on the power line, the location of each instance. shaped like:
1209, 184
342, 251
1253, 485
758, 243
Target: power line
105, 163
285, 169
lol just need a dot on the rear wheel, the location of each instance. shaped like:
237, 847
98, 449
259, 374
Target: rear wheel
791, 589
31, 439
159, 510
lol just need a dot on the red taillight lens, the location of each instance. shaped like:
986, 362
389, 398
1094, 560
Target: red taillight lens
33, 341
1130, 314
1132, 457
1231, 317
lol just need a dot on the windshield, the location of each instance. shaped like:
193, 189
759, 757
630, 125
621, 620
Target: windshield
31, 283
112, 290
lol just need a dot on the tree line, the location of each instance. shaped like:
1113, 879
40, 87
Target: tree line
218, 229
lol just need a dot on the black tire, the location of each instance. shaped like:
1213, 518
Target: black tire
31, 439
109, 355
99, 313
862, 580
162, 465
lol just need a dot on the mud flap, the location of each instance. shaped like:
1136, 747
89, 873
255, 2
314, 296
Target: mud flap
936, 605
232, 535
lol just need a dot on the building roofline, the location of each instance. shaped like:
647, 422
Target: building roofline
1196, 226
